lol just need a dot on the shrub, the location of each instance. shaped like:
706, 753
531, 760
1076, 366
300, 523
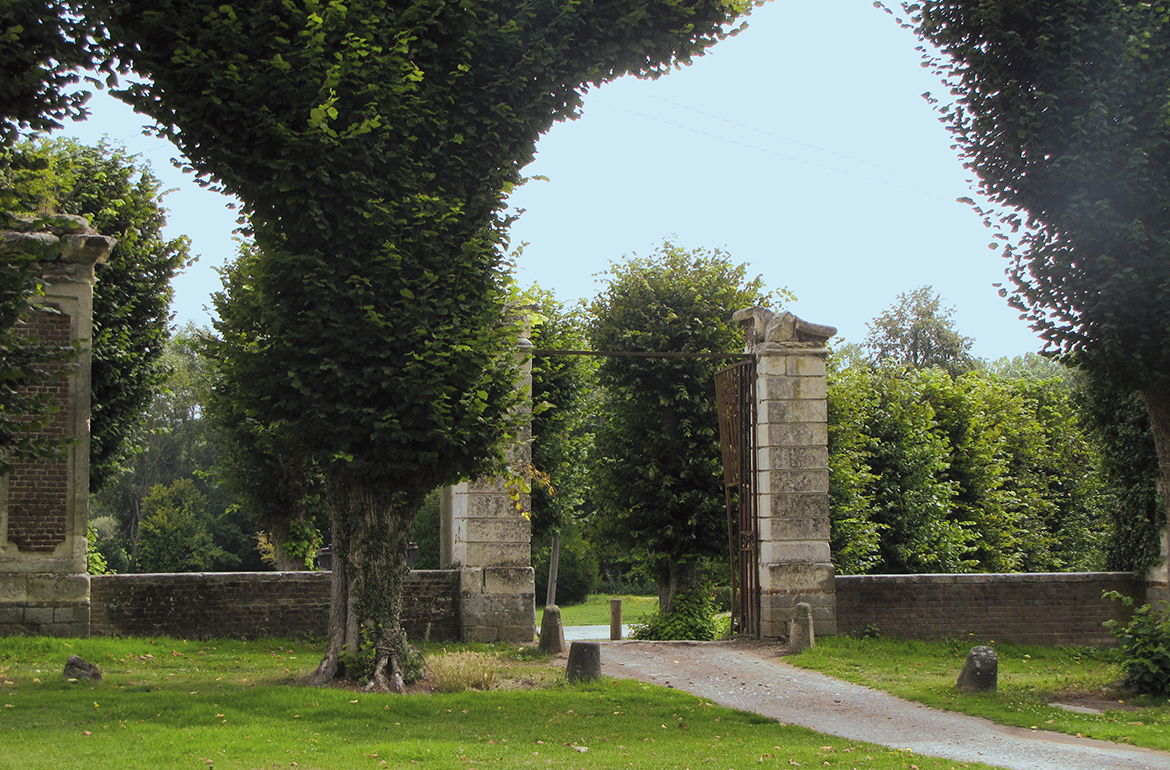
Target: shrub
1145, 647
693, 618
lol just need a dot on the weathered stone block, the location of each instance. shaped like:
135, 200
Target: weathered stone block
519, 634
471, 580
509, 580
791, 578
815, 410
13, 588
793, 434
516, 530
71, 614
58, 588
778, 553
491, 506
489, 554
796, 506
781, 482
806, 365
776, 388
42, 616
11, 615
793, 458
771, 529
480, 634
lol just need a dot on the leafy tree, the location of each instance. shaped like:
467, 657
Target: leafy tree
918, 332
133, 291
657, 477
278, 487
43, 44
178, 445
563, 398
1060, 108
372, 145
175, 537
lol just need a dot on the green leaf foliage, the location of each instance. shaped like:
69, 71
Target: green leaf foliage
174, 535
1060, 109
918, 332
657, 474
372, 145
131, 302
979, 473
1145, 646
43, 44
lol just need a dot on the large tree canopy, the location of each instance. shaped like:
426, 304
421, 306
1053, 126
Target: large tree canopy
373, 144
1060, 108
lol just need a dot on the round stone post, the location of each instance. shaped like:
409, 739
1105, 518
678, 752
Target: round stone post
793, 470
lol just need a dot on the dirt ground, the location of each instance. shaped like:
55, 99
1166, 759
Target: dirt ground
751, 676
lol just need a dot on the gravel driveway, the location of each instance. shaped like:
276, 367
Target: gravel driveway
752, 677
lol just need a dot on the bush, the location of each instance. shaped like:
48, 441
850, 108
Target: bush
693, 618
1145, 647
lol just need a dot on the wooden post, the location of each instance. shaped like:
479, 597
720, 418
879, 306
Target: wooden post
615, 619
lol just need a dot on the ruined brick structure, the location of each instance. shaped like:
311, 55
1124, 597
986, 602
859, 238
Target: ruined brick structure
44, 588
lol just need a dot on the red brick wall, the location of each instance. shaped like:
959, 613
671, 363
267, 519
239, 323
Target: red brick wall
1047, 609
38, 493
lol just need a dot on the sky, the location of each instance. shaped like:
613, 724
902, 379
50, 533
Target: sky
802, 147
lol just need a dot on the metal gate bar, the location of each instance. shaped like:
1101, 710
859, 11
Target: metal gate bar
735, 388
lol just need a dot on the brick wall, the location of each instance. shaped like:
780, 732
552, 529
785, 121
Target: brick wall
38, 492
253, 604
1048, 609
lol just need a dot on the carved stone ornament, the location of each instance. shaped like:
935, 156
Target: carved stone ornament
763, 326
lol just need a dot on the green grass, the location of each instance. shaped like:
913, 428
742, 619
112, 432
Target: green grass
594, 611
1029, 679
227, 704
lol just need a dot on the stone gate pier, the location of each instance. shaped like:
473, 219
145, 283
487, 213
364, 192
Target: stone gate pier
44, 506
483, 535
792, 461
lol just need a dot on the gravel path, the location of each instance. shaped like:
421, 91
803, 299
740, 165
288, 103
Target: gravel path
753, 678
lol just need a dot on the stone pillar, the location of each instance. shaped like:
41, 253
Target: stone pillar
486, 538
793, 470
44, 506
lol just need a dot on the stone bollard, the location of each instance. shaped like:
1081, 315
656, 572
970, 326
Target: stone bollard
615, 619
800, 630
980, 671
552, 633
584, 662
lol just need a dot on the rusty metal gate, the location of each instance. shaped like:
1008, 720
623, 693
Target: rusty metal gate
735, 388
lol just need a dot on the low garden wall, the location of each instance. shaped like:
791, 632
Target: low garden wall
254, 604
1038, 608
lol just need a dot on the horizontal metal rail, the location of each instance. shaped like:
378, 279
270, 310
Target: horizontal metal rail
640, 354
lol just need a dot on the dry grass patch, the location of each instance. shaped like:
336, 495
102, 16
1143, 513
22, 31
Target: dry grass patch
451, 672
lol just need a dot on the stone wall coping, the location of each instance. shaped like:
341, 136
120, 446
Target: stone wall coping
172, 578
993, 577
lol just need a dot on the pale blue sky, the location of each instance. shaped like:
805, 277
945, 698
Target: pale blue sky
802, 146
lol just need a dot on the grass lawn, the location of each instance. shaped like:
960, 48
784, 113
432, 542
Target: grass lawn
1030, 678
226, 704
594, 611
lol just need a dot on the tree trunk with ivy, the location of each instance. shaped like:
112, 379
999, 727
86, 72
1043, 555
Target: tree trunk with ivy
1158, 405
